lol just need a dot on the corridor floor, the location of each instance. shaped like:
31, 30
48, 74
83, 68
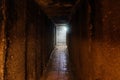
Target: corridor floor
58, 67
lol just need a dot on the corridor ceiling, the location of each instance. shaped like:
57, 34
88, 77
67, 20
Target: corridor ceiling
58, 10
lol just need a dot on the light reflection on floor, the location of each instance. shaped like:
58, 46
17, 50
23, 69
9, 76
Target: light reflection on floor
58, 68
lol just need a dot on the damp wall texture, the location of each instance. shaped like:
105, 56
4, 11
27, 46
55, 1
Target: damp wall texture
26, 40
94, 40
2, 38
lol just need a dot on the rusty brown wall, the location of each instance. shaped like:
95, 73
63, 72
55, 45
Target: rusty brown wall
94, 40
2, 38
16, 38
106, 43
26, 40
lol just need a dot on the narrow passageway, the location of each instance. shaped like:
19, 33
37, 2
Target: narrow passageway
59, 66
59, 40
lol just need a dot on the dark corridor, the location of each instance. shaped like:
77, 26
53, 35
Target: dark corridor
30, 47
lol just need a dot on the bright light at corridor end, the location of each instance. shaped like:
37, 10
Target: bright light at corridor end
61, 32
65, 28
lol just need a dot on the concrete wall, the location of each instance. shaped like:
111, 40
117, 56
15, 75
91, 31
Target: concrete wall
94, 41
26, 40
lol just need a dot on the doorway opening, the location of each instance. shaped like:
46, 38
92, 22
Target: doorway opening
61, 32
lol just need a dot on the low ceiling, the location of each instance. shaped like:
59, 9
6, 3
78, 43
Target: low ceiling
58, 10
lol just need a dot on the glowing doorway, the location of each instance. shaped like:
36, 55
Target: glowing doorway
61, 31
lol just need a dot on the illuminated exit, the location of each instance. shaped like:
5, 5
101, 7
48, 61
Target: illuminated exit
61, 31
